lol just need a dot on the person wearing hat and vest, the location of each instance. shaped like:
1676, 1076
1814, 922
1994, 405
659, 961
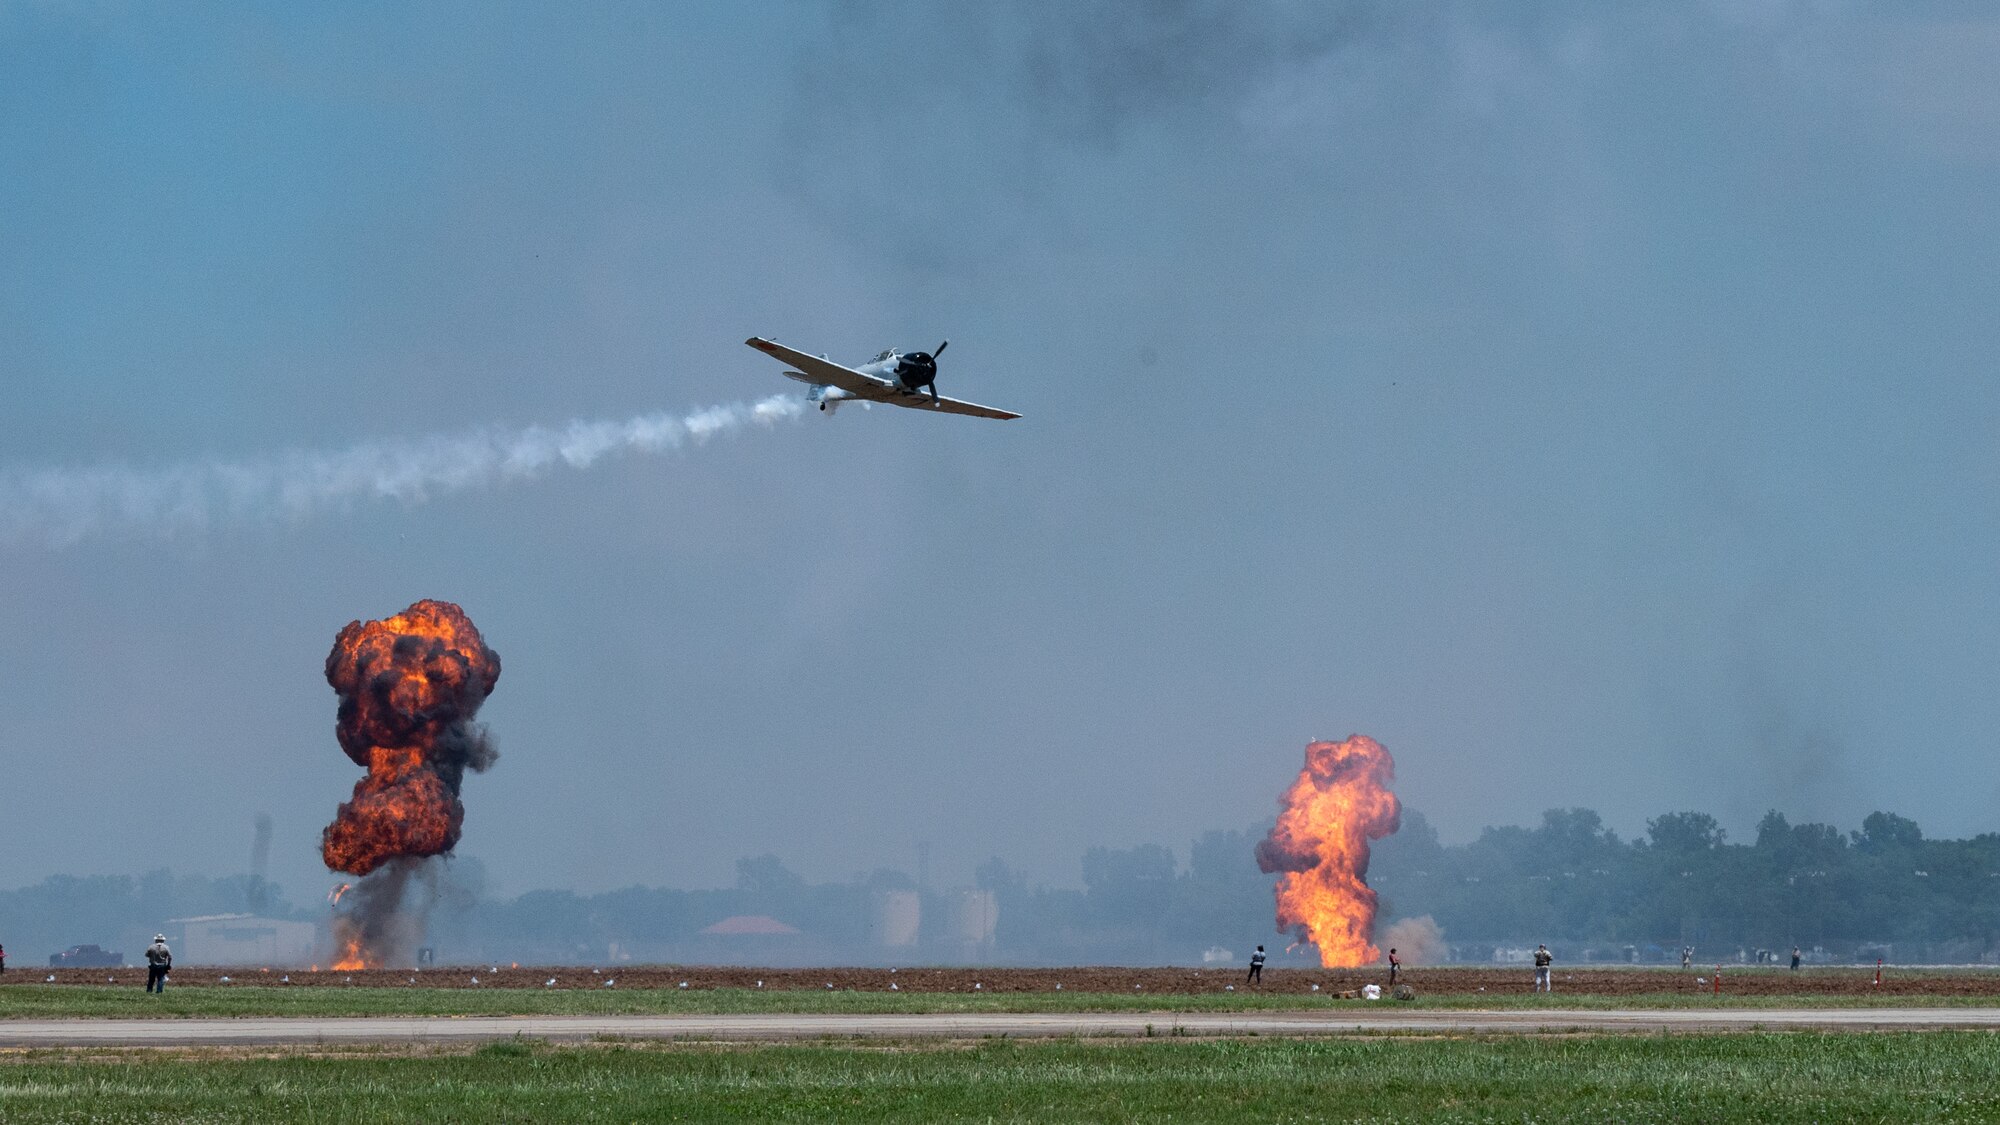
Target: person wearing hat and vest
159, 959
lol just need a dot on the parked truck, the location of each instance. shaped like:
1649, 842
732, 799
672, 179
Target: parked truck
86, 957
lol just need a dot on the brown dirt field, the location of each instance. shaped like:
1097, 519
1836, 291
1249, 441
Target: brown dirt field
1445, 981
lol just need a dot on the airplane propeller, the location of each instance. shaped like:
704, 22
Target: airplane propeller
919, 369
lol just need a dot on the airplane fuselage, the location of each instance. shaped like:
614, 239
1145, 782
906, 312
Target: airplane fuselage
910, 371
905, 376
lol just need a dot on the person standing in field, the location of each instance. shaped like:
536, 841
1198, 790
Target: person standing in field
1687, 956
1256, 967
159, 959
1543, 959
1395, 964
1795, 958
3, 958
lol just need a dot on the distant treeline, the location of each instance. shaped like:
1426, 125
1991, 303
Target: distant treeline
120, 913
1569, 881
1572, 880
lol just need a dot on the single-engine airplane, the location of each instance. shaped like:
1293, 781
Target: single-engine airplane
892, 377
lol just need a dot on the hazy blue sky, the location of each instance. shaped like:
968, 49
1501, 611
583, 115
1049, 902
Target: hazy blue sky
1593, 403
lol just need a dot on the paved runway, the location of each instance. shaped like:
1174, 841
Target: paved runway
778, 1026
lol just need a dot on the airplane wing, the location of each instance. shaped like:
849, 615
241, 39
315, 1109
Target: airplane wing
954, 406
825, 371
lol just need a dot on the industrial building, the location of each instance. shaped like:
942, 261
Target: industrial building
243, 939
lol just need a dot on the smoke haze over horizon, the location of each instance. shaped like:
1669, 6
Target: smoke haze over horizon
1591, 403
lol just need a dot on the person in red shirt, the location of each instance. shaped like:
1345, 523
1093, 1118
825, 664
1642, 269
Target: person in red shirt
1395, 965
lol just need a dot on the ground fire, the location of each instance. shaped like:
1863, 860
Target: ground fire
1339, 803
409, 688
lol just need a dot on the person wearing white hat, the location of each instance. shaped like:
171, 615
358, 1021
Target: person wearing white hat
159, 959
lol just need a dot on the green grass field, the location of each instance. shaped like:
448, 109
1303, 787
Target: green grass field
1800, 1077
106, 1001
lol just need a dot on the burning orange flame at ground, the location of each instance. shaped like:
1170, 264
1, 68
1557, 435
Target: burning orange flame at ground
409, 687
350, 957
1340, 801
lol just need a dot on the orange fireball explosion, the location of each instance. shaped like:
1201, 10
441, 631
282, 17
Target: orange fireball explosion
409, 687
1339, 803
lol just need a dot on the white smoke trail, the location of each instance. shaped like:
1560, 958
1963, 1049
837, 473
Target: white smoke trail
62, 506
